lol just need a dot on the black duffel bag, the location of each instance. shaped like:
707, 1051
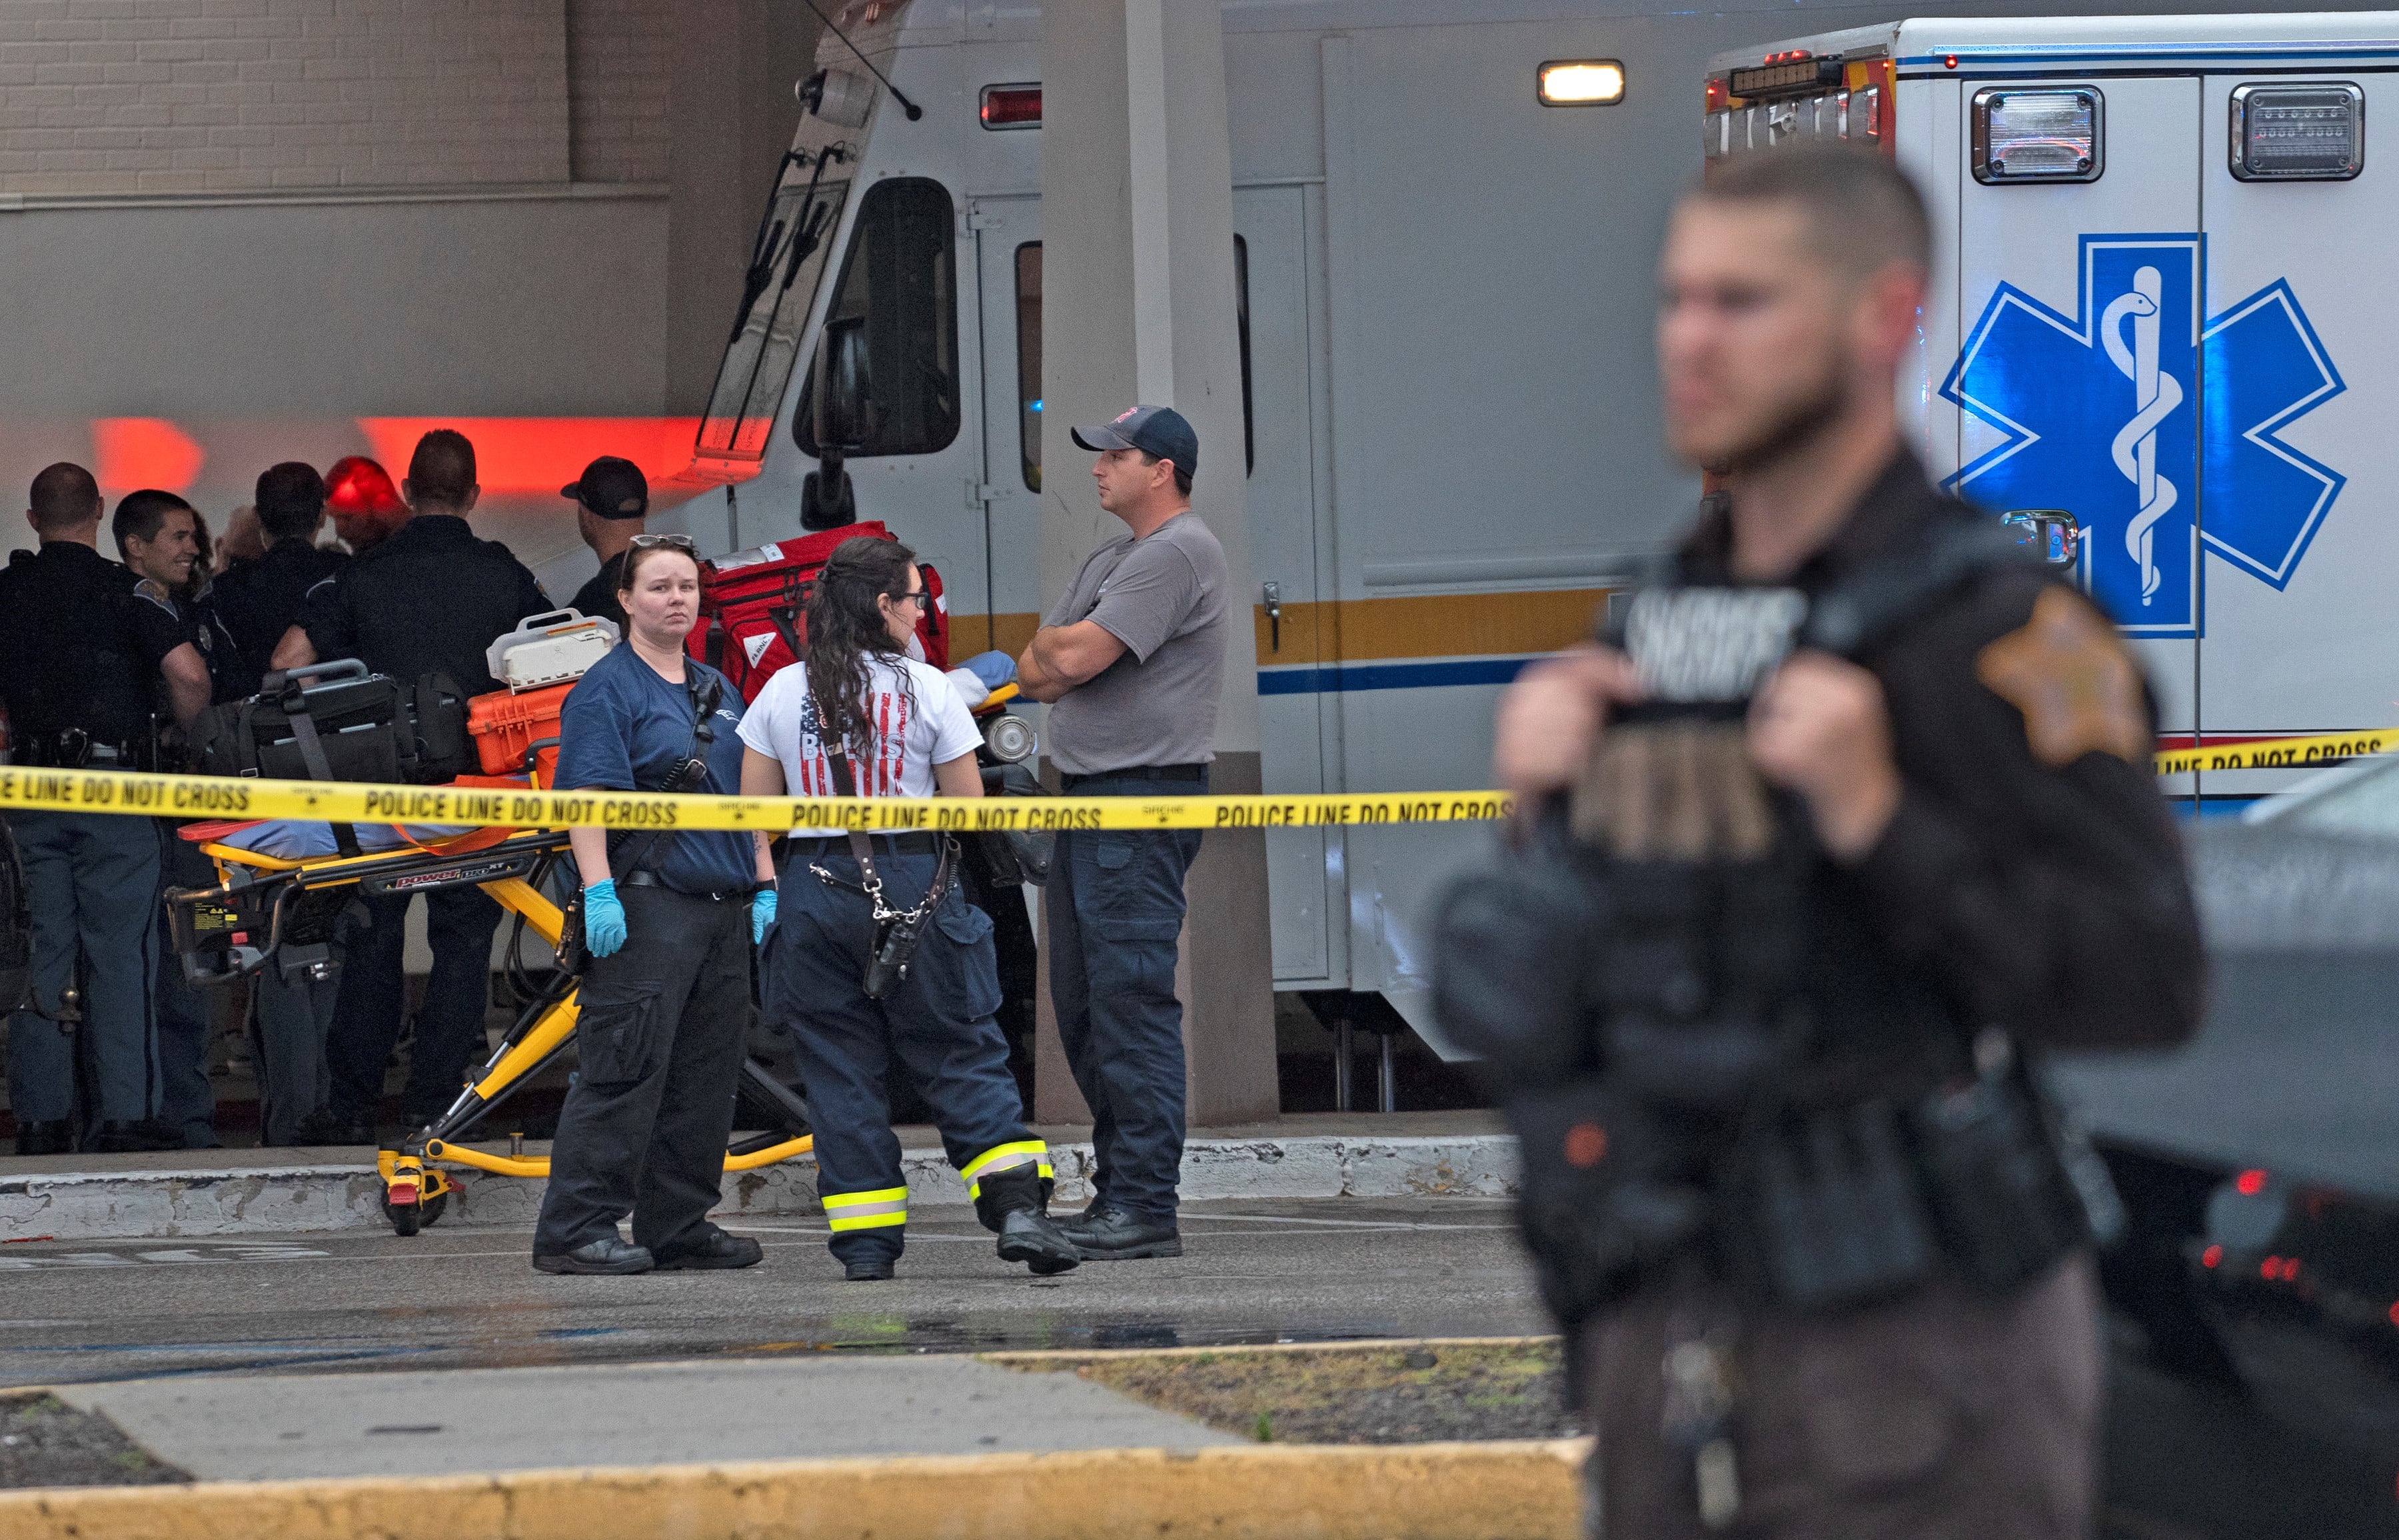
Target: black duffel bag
334, 720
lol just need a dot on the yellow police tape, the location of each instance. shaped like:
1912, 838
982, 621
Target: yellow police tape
223, 797
95, 791
2299, 753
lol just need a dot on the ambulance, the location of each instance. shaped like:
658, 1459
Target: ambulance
2158, 306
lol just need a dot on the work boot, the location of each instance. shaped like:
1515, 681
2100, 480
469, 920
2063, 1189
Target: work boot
123, 1136
1119, 1235
867, 1270
326, 1127
51, 1136
1012, 1205
609, 1255
709, 1249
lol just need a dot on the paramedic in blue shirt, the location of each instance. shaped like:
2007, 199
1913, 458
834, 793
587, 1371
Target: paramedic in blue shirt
903, 732
669, 922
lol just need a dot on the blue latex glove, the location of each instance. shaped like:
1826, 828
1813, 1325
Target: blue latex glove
603, 919
994, 669
762, 915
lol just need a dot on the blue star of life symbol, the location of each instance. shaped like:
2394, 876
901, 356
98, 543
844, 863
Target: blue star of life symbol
2154, 425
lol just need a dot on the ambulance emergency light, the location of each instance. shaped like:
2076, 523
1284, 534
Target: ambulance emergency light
1581, 82
2039, 136
2298, 133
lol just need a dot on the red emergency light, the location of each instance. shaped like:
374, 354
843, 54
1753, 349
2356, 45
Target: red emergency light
1017, 106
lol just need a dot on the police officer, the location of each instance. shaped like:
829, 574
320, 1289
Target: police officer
611, 498
669, 921
1824, 1272
1133, 659
362, 503
259, 600
427, 598
81, 661
862, 717
164, 545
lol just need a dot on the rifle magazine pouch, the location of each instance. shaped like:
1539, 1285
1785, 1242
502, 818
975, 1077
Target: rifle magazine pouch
1829, 1196
1605, 1201
2003, 1200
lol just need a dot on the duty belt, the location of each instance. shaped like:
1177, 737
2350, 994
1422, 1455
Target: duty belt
838, 845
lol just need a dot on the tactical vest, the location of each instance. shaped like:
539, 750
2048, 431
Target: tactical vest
1643, 976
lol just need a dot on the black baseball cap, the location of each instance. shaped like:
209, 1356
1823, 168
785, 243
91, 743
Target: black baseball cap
1159, 431
612, 489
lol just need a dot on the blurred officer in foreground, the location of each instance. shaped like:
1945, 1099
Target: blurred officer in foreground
669, 920
612, 498
82, 661
876, 954
427, 598
165, 546
1852, 817
1133, 659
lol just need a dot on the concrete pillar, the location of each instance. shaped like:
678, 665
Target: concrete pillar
1137, 262
731, 116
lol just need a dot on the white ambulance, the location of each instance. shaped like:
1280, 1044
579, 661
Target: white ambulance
2162, 304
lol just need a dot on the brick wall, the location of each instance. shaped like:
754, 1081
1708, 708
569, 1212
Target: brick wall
100, 96
617, 66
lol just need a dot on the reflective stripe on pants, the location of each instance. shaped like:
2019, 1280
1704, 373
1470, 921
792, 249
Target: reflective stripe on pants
1005, 1158
867, 1211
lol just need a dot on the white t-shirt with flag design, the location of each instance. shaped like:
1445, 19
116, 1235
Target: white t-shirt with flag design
919, 722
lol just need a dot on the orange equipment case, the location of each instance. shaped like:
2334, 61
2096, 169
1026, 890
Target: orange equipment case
506, 725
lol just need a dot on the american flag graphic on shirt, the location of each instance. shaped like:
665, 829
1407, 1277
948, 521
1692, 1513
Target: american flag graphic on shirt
877, 766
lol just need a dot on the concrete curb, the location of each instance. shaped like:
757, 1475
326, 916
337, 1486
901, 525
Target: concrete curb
1525, 1490
265, 1200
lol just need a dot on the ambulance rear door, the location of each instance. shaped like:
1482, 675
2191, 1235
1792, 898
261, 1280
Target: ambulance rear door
2080, 296
2298, 517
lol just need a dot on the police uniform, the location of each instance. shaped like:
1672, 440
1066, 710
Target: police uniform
938, 1019
1941, 1376
258, 601
598, 597
429, 598
664, 1017
186, 1100
79, 673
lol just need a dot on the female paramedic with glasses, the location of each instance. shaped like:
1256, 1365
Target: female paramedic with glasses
875, 953
669, 920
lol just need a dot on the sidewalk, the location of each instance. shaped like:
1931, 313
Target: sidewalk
318, 1427
263, 1192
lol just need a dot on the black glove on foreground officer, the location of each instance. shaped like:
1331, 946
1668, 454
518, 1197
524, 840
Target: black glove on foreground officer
669, 922
1850, 818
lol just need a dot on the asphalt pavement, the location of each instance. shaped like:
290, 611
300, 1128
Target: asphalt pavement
360, 1352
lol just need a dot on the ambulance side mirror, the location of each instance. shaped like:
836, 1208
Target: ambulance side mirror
2052, 534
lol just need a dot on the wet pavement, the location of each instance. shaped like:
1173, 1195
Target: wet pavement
467, 1298
333, 1316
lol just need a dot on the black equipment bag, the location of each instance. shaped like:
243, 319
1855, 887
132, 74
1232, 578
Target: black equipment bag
334, 720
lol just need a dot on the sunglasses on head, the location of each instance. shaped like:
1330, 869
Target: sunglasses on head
673, 542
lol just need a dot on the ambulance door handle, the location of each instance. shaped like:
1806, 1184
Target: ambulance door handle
1274, 614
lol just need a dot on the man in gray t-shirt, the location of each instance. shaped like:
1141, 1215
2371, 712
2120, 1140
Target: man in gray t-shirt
1131, 661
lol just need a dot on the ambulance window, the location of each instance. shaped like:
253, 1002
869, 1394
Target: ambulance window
786, 264
1028, 356
898, 292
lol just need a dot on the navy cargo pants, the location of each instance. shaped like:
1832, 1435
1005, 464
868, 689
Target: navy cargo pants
92, 881
459, 923
1112, 914
938, 1021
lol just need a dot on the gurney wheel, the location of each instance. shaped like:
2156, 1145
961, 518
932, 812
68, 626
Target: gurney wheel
409, 1217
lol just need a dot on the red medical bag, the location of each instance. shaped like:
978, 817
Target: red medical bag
752, 605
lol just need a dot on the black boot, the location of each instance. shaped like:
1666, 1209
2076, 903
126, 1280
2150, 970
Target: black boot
53, 1136
610, 1255
709, 1249
127, 1136
1013, 1206
1119, 1235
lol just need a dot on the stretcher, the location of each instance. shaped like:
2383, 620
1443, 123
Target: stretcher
280, 912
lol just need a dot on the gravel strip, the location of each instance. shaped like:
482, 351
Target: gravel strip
44, 1442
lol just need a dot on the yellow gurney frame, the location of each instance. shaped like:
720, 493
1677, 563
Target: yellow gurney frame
417, 1189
